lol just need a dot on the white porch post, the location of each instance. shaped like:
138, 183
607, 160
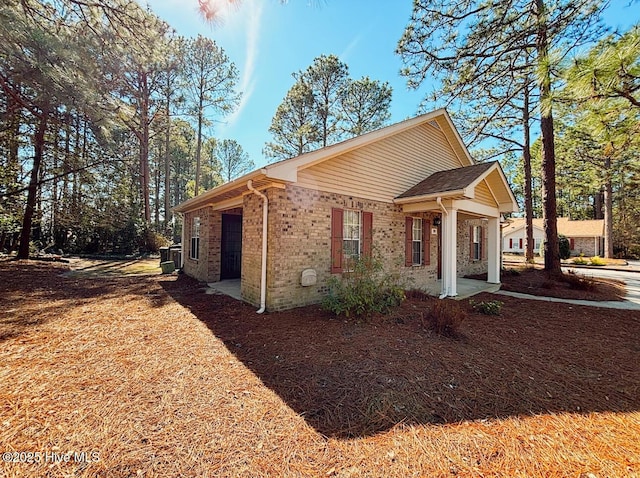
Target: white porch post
449, 253
493, 251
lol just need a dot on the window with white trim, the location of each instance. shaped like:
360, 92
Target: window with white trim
538, 242
351, 235
194, 253
477, 243
416, 241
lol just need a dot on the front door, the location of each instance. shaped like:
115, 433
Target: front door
231, 250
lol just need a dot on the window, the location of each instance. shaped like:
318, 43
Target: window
417, 245
538, 241
351, 230
417, 241
351, 236
476, 243
195, 238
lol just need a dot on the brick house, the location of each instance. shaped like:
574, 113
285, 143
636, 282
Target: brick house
409, 192
585, 237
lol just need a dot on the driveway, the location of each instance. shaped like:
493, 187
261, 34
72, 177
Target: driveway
631, 278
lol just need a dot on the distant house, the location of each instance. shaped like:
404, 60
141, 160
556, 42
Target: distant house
409, 192
585, 237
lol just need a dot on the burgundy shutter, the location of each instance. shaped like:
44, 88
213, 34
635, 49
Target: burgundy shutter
510, 243
426, 242
367, 233
572, 244
471, 248
520, 243
408, 240
483, 244
336, 240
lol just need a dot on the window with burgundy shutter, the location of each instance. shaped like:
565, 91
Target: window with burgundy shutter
351, 236
417, 245
475, 246
426, 243
336, 240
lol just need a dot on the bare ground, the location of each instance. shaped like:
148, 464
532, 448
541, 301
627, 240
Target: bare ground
160, 379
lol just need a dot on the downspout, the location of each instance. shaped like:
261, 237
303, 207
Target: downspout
183, 240
263, 275
443, 292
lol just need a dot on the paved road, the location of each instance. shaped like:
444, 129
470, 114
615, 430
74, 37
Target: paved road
632, 279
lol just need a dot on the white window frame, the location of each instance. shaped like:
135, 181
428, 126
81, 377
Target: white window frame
477, 243
194, 252
351, 235
417, 247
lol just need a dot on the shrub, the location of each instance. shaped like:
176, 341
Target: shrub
490, 307
578, 282
444, 317
367, 288
580, 260
565, 247
598, 261
417, 294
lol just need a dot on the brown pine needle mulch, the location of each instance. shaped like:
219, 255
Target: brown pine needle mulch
571, 285
159, 379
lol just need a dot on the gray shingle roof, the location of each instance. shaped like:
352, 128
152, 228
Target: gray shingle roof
450, 180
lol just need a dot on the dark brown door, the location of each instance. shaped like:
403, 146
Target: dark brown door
231, 247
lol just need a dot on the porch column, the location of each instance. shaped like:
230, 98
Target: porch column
493, 251
449, 253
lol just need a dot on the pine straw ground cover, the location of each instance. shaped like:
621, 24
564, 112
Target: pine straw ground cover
159, 380
533, 280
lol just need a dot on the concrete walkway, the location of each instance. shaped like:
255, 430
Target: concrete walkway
623, 304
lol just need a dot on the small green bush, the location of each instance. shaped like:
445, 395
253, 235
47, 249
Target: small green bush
598, 261
581, 261
565, 247
490, 307
367, 288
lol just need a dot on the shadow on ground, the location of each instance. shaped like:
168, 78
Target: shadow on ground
352, 379
34, 293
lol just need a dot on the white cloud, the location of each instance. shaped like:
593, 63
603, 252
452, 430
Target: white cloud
250, 17
344, 56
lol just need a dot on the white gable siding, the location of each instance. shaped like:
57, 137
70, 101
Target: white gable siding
511, 240
385, 169
483, 195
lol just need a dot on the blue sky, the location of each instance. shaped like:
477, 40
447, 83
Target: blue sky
269, 40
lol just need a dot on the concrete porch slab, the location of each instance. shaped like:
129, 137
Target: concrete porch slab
230, 287
465, 288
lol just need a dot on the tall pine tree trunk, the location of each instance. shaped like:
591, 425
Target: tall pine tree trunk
38, 144
528, 193
199, 146
167, 161
145, 176
608, 210
552, 263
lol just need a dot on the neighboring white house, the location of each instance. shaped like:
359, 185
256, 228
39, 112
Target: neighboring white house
585, 237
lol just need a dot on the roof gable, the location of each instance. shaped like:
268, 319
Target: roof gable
447, 181
403, 152
287, 169
484, 179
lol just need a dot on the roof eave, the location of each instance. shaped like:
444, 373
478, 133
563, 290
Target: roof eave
209, 196
430, 197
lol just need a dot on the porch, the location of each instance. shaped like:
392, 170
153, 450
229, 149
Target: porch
465, 287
